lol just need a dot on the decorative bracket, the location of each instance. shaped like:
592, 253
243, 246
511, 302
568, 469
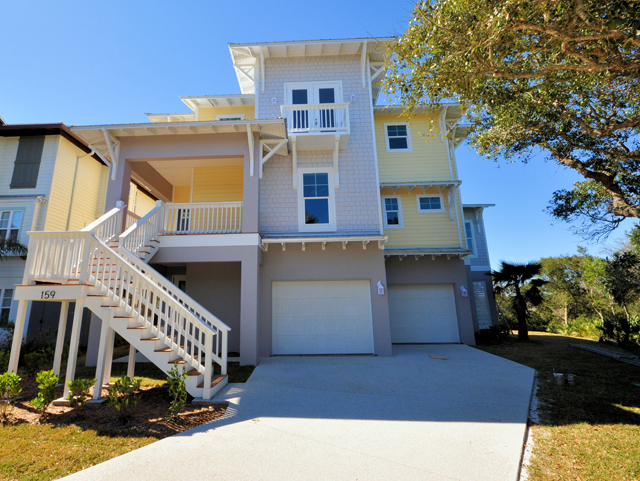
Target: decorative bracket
114, 152
272, 151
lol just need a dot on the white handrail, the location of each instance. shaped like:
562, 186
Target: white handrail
140, 234
314, 118
132, 218
203, 218
108, 226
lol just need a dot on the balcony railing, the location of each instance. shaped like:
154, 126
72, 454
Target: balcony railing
203, 218
319, 118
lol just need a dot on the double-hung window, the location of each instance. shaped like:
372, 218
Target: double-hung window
392, 212
468, 230
316, 209
5, 306
430, 203
397, 137
10, 221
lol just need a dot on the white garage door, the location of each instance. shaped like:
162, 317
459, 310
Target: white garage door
423, 313
322, 317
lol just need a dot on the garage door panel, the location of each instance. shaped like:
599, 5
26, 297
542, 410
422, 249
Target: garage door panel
423, 313
322, 317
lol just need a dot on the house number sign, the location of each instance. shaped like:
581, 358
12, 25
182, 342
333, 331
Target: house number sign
47, 294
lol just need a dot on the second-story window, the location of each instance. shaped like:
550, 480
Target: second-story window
468, 230
392, 212
10, 221
27, 163
397, 137
430, 203
316, 206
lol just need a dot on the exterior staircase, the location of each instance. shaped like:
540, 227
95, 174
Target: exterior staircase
95, 266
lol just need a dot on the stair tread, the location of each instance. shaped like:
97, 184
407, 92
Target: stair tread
193, 372
216, 379
164, 349
136, 327
123, 317
150, 339
178, 361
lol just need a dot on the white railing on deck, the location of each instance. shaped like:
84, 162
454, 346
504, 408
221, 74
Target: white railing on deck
316, 118
108, 226
141, 233
131, 219
183, 325
203, 218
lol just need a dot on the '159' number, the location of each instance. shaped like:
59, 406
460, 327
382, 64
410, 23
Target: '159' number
48, 294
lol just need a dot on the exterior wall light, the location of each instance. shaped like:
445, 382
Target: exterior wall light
464, 292
380, 289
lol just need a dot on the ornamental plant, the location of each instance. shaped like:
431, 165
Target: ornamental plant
47, 382
178, 390
79, 392
123, 396
9, 389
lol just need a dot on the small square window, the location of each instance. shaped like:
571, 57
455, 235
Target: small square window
392, 212
10, 224
398, 137
430, 203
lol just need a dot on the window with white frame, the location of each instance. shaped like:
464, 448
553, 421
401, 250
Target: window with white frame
397, 137
392, 212
430, 203
468, 230
5, 306
316, 202
10, 221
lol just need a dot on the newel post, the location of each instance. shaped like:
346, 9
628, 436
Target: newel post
208, 365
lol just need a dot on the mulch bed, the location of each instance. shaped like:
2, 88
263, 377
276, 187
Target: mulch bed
148, 417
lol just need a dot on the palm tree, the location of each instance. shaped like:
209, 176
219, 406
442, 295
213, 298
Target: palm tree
12, 246
520, 281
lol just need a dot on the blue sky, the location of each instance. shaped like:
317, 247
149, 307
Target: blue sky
112, 62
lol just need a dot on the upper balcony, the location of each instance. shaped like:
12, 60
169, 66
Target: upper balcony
318, 126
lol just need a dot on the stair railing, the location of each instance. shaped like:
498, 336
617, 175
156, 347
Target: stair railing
140, 234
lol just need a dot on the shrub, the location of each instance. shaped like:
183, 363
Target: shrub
123, 395
79, 392
47, 381
36, 361
178, 390
4, 360
9, 388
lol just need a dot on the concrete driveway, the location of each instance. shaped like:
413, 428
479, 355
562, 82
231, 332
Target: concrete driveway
406, 417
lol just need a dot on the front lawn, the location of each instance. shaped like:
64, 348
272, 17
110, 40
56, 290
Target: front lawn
62, 443
590, 431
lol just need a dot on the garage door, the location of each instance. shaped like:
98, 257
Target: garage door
322, 317
423, 313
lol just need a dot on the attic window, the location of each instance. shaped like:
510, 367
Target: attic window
230, 117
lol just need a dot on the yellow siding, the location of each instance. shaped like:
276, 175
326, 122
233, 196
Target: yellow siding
422, 229
139, 202
218, 184
75, 204
182, 194
427, 160
206, 115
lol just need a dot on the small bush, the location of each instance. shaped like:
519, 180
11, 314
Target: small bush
123, 396
178, 390
4, 360
36, 361
79, 392
47, 381
9, 388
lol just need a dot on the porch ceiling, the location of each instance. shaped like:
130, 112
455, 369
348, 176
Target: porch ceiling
179, 172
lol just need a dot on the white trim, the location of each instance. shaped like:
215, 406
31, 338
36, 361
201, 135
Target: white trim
331, 226
375, 148
208, 240
230, 117
424, 211
11, 211
386, 137
384, 208
313, 86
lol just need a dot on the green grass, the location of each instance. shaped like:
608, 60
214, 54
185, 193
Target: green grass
590, 431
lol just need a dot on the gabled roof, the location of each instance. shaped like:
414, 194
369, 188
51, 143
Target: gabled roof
248, 58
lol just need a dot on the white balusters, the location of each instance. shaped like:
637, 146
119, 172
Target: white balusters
203, 218
316, 118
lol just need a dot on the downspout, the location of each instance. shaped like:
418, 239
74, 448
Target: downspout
73, 185
455, 196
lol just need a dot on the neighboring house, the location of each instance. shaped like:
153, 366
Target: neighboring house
294, 218
483, 302
50, 180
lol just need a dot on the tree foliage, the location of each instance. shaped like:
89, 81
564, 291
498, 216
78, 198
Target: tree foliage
12, 246
557, 79
522, 284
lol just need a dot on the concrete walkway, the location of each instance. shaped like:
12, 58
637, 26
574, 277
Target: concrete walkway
407, 417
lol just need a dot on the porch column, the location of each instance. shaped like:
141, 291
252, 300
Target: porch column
62, 328
105, 327
131, 366
73, 347
249, 309
111, 337
18, 333
251, 191
119, 189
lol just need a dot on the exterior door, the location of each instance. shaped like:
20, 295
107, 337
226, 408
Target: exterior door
319, 118
423, 313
